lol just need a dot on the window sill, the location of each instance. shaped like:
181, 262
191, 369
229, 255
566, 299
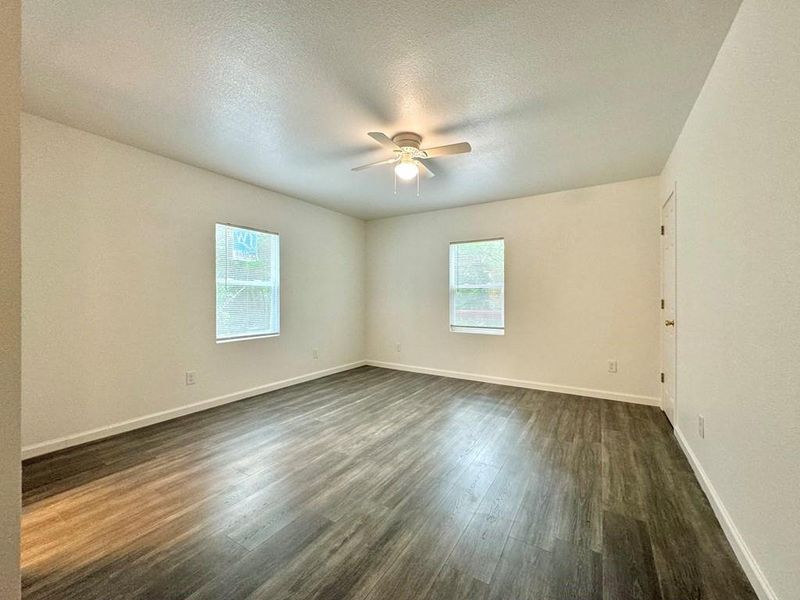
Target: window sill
480, 330
249, 337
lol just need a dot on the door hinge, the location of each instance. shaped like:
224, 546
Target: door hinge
662, 304
662, 230
662, 378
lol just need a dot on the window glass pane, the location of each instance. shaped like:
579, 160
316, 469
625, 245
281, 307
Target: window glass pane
477, 284
247, 281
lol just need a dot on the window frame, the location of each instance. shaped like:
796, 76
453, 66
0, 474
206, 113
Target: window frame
483, 330
275, 284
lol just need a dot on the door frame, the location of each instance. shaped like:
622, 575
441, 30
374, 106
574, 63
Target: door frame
671, 195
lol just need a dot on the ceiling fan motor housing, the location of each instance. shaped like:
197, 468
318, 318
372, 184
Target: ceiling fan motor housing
407, 139
409, 144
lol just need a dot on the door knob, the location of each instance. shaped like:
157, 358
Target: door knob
669, 323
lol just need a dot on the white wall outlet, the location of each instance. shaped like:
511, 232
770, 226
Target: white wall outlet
612, 366
397, 346
701, 426
191, 377
315, 352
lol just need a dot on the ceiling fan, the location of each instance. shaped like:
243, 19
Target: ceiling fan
408, 156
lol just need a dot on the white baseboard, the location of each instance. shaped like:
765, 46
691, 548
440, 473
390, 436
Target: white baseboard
164, 415
754, 573
535, 385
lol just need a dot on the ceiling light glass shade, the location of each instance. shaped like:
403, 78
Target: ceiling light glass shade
406, 168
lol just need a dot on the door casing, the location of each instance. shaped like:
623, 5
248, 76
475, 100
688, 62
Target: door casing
669, 334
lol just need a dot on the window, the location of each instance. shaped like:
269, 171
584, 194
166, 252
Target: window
248, 283
477, 273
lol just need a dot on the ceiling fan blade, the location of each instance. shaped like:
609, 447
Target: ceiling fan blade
383, 140
424, 171
388, 161
449, 149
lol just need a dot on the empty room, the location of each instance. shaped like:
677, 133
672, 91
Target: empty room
363, 300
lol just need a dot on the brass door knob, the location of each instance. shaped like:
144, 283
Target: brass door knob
669, 323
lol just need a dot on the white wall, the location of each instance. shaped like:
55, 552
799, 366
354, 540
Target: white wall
118, 285
737, 167
582, 287
9, 299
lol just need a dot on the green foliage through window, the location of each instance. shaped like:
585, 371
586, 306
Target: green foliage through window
477, 284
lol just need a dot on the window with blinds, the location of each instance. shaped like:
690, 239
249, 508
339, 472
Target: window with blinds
477, 286
248, 283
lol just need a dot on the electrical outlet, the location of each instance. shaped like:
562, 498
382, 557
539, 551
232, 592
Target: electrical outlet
701, 426
191, 377
612, 366
315, 352
397, 346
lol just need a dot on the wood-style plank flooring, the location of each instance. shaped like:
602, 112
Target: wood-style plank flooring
375, 484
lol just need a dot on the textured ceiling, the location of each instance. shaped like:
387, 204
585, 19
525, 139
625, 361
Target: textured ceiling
552, 94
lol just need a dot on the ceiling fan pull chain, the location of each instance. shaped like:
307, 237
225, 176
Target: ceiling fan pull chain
417, 184
395, 182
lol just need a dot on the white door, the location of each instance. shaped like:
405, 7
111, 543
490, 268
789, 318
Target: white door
668, 325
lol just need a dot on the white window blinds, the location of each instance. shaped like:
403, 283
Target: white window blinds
477, 286
248, 282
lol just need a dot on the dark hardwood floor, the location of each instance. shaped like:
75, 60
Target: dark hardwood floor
378, 484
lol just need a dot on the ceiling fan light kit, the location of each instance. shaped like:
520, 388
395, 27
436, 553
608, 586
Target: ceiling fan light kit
408, 156
406, 169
